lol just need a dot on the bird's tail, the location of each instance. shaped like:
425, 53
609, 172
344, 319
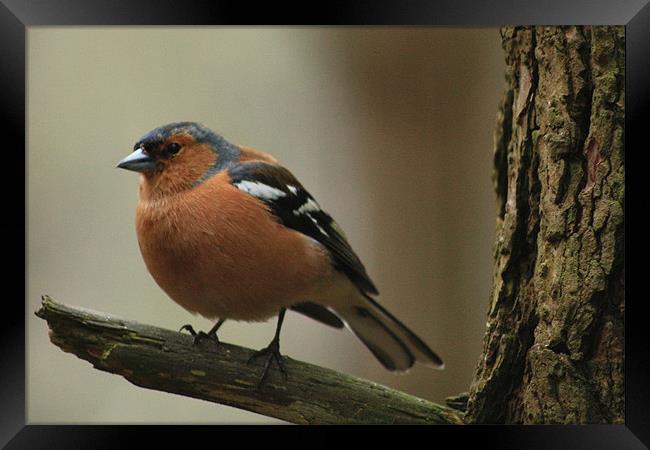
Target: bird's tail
392, 343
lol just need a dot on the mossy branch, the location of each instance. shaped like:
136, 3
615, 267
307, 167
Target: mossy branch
166, 360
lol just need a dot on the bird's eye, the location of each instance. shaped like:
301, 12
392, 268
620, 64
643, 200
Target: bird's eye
172, 149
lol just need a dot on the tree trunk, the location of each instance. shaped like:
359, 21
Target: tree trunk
553, 348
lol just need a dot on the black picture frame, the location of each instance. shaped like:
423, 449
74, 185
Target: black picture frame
16, 15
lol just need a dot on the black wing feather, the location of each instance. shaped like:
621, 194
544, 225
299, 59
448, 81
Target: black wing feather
310, 220
319, 313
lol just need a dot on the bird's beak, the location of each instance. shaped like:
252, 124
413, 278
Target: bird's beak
138, 161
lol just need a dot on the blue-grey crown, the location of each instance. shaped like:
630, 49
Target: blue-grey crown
227, 152
200, 133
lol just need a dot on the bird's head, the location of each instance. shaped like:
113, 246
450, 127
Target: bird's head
178, 156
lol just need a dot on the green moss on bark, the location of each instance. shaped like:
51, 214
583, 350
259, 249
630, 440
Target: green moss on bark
553, 350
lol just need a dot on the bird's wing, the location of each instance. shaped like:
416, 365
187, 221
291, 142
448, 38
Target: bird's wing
295, 208
319, 313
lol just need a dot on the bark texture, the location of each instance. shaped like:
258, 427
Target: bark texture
553, 348
168, 361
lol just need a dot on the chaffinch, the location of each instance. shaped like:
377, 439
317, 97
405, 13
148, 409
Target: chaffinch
229, 233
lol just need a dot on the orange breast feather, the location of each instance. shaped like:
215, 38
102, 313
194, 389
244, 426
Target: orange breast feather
218, 252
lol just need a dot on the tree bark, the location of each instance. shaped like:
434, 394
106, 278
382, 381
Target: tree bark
553, 348
168, 361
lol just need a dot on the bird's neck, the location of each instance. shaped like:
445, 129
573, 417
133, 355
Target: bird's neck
158, 186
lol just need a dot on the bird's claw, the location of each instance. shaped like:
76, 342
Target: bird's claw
189, 328
270, 353
199, 336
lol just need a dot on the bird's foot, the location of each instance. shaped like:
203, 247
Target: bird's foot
199, 336
270, 353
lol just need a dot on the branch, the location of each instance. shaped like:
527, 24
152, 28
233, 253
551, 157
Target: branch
165, 360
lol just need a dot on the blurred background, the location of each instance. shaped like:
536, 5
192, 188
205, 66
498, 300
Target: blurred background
390, 128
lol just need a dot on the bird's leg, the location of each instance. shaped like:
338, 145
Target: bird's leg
272, 352
212, 334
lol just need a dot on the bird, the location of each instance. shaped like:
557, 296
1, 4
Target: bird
229, 233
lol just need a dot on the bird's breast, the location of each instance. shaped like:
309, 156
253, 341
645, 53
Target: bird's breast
217, 252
